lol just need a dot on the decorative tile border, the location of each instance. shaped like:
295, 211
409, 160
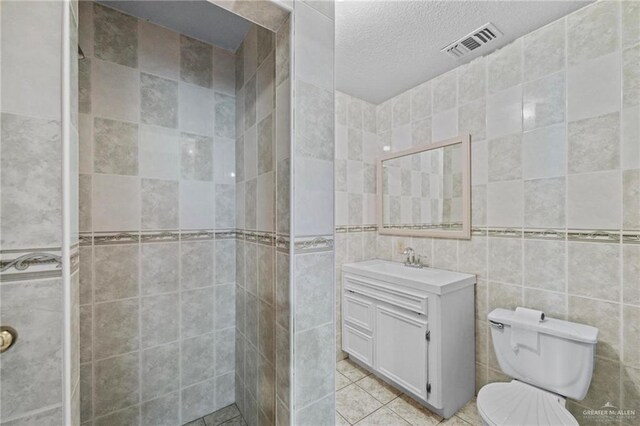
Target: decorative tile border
545, 234
421, 226
160, 236
505, 232
106, 238
197, 235
18, 265
283, 243
631, 237
313, 244
595, 236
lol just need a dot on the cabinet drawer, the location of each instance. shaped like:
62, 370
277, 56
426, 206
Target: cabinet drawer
380, 291
358, 311
357, 344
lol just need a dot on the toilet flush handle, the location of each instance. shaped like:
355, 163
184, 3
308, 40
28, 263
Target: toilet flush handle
496, 324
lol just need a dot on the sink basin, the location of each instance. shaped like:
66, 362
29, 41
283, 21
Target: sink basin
432, 280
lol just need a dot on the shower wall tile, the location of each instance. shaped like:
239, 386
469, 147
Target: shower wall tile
444, 94
159, 319
196, 109
115, 147
594, 144
115, 272
30, 184
109, 340
543, 152
119, 201
197, 359
314, 301
544, 205
504, 112
116, 383
314, 364
115, 36
164, 190
158, 101
84, 86
159, 266
586, 277
631, 77
631, 199
158, 50
471, 81
505, 158
544, 265
196, 59
158, 153
164, 410
197, 157
115, 91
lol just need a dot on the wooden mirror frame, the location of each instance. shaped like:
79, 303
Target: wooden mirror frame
462, 234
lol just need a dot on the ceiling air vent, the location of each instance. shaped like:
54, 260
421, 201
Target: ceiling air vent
475, 39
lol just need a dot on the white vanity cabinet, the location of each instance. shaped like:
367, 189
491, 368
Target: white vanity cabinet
414, 328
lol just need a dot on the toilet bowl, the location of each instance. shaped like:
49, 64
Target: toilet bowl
550, 360
519, 404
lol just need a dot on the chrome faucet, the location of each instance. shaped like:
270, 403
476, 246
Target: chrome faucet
412, 260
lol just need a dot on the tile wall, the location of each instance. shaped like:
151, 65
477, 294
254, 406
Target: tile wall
258, 112
555, 175
157, 220
32, 286
312, 281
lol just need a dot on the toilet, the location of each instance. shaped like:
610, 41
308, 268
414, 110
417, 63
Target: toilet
551, 360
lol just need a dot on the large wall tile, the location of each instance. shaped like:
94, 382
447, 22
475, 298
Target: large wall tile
159, 319
505, 67
314, 204
603, 315
195, 109
30, 182
32, 370
630, 29
505, 158
554, 305
159, 204
314, 46
116, 272
163, 411
588, 277
631, 138
196, 264
158, 50
472, 81
544, 152
116, 383
117, 203
196, 205
115, 36
504, 112
505, 260
28, 87
198, 400
544, 265
472, 120
115, 147
314, 364
444, 94
196, 60
115, 91
223, 71
631, 274
197, 312
544, 203
159, 268
158, 101
196, 157
593, 88
197, 357
631, 199
116, 328
602, 19
158, 153
544, 102
505, 204
314, 281
225, 116
631, 77
544, 50
594, 201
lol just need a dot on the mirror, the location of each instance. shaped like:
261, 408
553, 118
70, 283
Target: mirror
425, 191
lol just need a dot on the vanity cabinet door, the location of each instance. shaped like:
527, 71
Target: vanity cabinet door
401, 348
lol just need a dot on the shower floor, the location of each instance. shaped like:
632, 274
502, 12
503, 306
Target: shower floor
227, 416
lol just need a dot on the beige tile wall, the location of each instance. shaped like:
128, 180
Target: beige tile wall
157, 199
555, 158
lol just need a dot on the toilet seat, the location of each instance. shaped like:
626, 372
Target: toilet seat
520, 404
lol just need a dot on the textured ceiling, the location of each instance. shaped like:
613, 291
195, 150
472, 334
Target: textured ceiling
386, 47
198, 19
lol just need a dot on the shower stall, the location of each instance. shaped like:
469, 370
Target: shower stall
167, 212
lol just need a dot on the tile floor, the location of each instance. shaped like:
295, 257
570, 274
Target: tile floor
364, 400
227, 416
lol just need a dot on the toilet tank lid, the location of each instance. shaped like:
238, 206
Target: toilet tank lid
555, 327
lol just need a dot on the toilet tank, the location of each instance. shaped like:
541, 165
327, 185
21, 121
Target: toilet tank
563, 361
